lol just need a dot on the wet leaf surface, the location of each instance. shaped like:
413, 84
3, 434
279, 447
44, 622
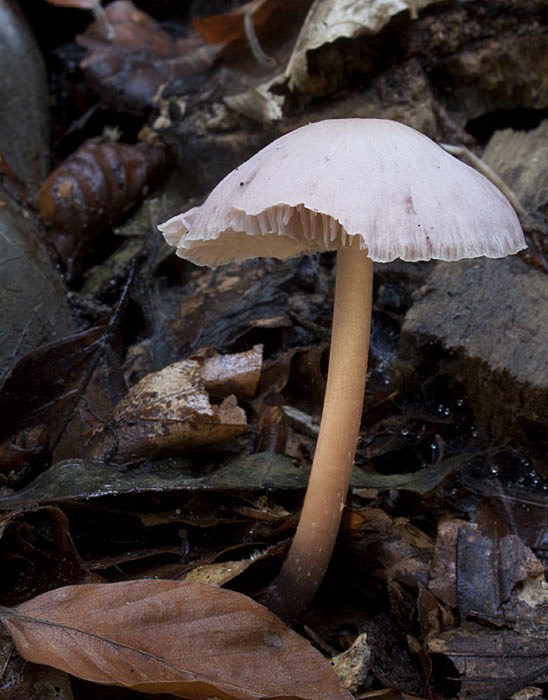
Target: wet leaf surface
32, 304
24, 118
74, 479
45, 386
188, 639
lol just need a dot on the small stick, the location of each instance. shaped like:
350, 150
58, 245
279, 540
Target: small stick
251, 36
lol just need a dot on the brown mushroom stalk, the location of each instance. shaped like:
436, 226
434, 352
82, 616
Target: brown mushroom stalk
314, 540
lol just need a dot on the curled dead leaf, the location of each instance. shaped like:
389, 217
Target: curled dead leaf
192, 640
168, 412
92, 189
335, 20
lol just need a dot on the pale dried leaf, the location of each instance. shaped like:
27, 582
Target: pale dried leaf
219, 573
332, 20
168, 412
238, 373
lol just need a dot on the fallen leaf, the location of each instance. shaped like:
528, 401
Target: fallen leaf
393, 548
500, 581
189, 639
217, 574
422, 481
23, 681
352, 665
92, 190
492, 663
334, 21
271, 430
168, 412
76, 479
33, 306
236, 373
45, 385
442, 578
131, 56
132, 29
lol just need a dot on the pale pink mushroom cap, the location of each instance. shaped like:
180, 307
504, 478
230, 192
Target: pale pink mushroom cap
378, 181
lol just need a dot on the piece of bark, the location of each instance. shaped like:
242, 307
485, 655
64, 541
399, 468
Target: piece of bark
502, 72
492, 575
235, 373
492, 663
489, 315
442, 579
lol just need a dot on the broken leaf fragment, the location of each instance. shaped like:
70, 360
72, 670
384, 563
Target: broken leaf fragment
237, 373
192, 640
331, 21
169, 412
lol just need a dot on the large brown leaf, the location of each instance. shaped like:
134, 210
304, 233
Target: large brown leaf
192, 640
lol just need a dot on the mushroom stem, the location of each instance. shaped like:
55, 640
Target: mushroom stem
314, 541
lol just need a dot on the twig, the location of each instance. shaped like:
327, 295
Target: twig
102, 19
251, 36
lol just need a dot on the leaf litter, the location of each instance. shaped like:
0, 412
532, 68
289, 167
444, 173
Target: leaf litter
441, 559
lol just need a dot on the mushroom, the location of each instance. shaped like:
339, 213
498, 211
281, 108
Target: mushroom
373, 190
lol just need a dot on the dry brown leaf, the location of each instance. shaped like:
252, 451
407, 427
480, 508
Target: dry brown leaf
23, 681
237, 373
92, 190
189, 639
219, 573
168, 412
